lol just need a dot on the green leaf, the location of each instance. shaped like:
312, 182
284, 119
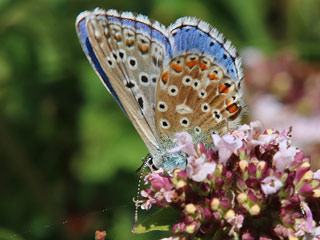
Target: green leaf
162, 220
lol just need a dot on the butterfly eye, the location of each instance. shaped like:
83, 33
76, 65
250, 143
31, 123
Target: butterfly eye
215, 73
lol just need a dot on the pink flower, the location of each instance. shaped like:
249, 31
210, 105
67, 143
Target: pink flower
242, 132
264, 139
148, 203
284, 157
236, 223
164, 195
316, 175
226, 146
309, 217
271, 185
197, 169
184, 141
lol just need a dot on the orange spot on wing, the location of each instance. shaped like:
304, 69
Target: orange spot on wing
223, 89
228, 101
212, 76
203, 66
118, 37
176, 67
234, 116
143, 48
232, 108
165, 77
191, 64
129, 42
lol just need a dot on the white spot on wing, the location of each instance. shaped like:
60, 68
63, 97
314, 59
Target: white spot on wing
162, 106
173, 90
183, 109
184, 122
205, 107
164, 123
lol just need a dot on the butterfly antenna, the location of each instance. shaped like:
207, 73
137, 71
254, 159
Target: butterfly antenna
136, 201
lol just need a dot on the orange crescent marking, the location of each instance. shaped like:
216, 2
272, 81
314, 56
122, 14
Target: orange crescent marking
129, 42
223, 89
176, 67
212, 76
203, 66
144, 48
191, 64
165, 77
232, 108
228, 101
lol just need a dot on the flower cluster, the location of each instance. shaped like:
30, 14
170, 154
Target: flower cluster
252, 185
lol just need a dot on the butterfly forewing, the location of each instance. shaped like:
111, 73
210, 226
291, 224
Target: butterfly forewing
127, 51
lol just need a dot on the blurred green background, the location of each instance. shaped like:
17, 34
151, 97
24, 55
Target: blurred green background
68, 154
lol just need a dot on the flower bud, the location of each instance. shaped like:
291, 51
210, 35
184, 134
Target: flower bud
269, 131
242, 197
254, 210
308, 176
179, 227
229, 214
192, 228
180, 184
292, 237
243, 164
316, 193
190, 208
215, 203
261, 167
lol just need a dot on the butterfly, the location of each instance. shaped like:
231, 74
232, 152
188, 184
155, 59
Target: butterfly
186, 77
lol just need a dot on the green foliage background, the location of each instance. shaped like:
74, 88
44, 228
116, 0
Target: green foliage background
68, 154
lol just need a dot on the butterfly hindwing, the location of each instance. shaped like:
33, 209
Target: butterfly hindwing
127, 52
199, 89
